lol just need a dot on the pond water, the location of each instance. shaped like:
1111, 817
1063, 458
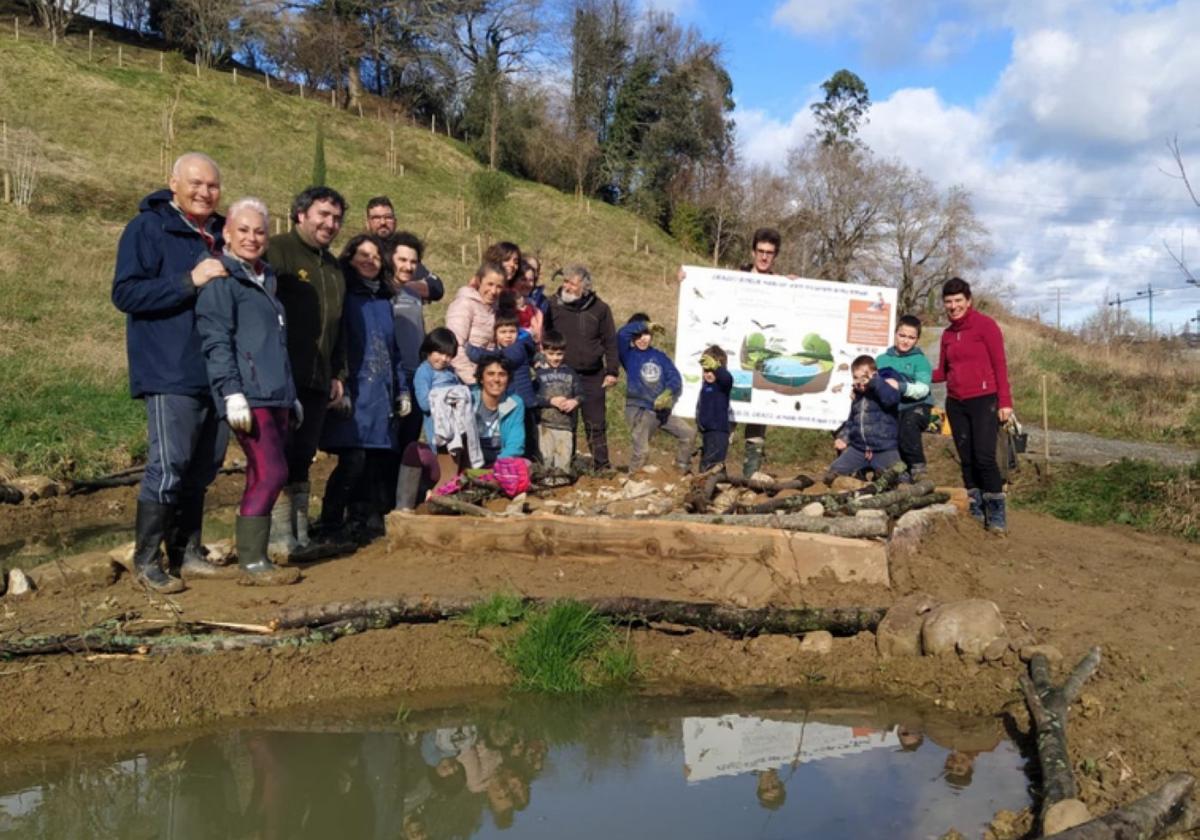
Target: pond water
790, 368
627, 768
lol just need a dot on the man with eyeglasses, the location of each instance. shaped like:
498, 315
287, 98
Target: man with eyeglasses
381, 217
764, 249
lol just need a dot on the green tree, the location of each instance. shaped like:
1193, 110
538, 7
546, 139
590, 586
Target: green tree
318, 171
843, 110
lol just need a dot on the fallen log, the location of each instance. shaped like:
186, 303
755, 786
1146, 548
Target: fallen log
841, 621
800, 482
92, 642
904, 505
1168, 810
451, 505
124, 478
880, 501
703, 489
838, 526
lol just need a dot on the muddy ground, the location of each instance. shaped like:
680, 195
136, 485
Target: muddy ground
1132, 594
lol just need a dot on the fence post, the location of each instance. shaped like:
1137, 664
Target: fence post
235, 75
16, 28
160, 62
8, 190
268, 80
120, 56
1045, 426
197, 64
301, 88
91, 35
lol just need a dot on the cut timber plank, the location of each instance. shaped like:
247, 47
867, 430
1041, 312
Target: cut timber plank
794, 557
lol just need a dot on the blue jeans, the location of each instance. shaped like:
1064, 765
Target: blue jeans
853, 461
187, 447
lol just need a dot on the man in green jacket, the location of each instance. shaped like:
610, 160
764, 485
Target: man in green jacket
311, 289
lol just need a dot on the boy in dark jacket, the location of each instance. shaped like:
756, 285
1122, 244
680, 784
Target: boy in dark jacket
870, 436
516, 346
560, 392
712, 407
654, 386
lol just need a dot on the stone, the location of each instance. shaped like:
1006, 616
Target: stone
819, 642
843, 483
725, 500
813, 509
967, 627
637, 488
1052, 654
773, 646
123, 556
995, 651
36, 486
18, 583
1063, 815
899, 633
764, 477
516, 506
93, 570
650, 469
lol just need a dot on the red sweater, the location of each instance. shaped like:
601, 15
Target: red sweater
971, 362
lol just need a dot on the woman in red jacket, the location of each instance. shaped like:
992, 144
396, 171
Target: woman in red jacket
978, 399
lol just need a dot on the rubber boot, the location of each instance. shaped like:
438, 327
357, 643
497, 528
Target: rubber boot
186, 554
300, 497
408, 488
252, 534
153, 523
995, 513
752, 461
975, 504
283, 542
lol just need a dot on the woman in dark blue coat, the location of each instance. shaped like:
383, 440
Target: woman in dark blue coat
377, 395
244, 338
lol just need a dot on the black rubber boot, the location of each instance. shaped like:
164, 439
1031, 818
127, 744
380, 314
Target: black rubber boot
252, 534
994, 508
975, 504
752, 460
153, 525
186, 554
408, 488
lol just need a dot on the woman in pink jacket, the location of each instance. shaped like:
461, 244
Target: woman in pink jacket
978, 399
472, 316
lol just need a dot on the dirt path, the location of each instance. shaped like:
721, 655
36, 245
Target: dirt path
1081, 448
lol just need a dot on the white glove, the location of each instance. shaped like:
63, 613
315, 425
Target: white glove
237, 412
297, 414
403, 404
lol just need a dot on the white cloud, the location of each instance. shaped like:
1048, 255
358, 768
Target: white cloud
1063, 155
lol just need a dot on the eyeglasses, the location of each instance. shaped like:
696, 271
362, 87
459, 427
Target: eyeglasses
376, 217
765, 252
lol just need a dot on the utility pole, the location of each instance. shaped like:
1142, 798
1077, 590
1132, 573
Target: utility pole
1117, 303
1149, 294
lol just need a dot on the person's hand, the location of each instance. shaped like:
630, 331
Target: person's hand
664, 400
403, 404
609, 381
709, 362
656, 328
680, 275
207, 271
1005, 413
569, 405
839, 444
894, 383
342, 406
237, 412
297, 415
336, 391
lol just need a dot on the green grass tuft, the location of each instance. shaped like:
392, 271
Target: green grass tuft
1147, 496
566, 648
500, 610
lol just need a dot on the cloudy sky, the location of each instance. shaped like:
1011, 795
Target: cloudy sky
1055, 114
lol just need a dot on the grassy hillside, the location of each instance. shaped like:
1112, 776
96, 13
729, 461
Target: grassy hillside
98, 128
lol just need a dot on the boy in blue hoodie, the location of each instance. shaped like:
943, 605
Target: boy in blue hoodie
868, 439
906, 357
654, 385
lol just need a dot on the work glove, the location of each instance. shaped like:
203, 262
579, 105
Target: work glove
655, 328
664, 400
237, 413
709, 363
403, 404
297, 415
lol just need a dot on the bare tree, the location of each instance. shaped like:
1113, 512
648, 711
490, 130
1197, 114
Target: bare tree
205, 26
56, 15
1181, 168
927, 238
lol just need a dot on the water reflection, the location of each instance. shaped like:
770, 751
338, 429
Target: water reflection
620, 767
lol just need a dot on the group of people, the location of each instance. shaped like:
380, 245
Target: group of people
294, 349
